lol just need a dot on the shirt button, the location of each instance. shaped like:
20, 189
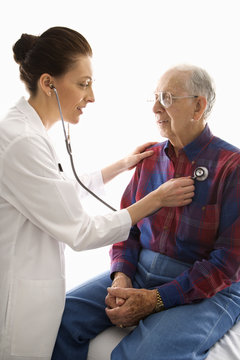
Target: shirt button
203, 208
165, 227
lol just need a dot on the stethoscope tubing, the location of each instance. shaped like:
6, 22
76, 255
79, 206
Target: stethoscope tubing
69, 150
81, 183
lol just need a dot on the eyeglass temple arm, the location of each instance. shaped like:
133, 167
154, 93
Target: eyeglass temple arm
182, 97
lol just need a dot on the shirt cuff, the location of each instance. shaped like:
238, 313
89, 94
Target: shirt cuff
124, 267
170, 295
125, 221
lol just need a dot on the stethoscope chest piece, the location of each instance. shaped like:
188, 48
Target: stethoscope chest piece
200, 173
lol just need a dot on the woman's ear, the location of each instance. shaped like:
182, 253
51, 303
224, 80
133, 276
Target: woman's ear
200, 106
44, 81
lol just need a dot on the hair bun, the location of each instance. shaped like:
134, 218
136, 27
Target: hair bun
23, 46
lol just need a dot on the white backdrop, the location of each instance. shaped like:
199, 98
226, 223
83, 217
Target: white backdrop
133, 41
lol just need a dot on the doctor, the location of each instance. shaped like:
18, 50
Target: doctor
40, 210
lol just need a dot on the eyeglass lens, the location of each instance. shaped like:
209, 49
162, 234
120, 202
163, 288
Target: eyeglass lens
165, 99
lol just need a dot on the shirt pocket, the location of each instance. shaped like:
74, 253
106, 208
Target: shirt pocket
198, 228
37, 310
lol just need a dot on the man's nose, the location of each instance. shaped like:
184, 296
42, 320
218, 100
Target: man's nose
158, 107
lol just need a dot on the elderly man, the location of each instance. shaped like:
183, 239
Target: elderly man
177, 276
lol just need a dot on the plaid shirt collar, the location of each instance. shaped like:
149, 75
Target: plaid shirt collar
193, 149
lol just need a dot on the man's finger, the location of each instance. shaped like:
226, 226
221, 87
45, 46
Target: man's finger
120, 301
118, 292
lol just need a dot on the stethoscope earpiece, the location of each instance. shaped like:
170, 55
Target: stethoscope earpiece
200, 173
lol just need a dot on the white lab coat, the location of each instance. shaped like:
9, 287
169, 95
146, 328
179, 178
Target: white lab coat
40, 211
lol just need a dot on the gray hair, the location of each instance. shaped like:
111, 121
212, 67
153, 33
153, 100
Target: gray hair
199, 83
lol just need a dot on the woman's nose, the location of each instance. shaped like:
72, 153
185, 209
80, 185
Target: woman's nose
90, 96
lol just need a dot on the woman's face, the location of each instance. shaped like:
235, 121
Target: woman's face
75, 89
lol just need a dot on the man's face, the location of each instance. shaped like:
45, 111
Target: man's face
175, 120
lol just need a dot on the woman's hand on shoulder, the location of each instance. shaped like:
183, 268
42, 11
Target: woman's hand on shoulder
128, 162
138, 155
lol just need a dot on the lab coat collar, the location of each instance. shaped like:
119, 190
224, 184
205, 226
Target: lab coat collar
31, 115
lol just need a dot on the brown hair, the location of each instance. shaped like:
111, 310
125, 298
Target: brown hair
53, 52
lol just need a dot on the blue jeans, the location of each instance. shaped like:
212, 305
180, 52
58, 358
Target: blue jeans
181, 333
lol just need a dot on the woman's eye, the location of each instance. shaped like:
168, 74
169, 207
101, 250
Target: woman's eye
85, 84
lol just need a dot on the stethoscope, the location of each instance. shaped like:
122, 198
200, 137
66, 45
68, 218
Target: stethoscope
200, 173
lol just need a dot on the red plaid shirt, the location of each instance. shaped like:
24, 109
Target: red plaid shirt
205, 234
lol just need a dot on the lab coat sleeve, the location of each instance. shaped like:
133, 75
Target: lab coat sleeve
32, 183
93, 181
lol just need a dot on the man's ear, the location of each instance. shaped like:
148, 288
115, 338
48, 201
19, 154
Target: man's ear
200, 106
44, 81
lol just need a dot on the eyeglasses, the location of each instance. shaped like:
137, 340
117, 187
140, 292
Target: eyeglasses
166, 98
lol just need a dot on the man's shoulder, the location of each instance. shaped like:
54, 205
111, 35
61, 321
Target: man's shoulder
225, 145
159, 146
228, 154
